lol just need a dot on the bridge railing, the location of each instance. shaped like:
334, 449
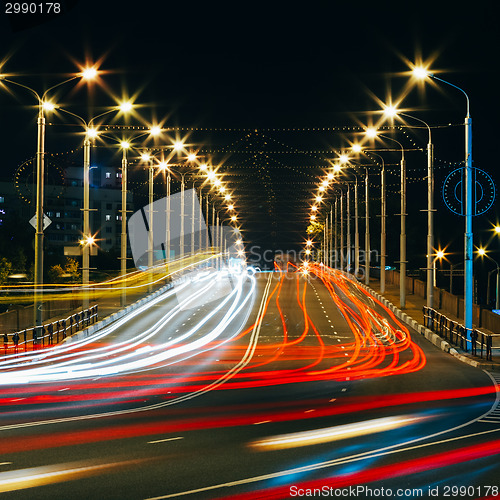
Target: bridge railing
480, 343
50, 333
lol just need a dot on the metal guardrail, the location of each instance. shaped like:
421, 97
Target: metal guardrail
46, 334
456, 334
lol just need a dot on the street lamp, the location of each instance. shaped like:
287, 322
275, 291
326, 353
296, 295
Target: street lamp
125, 145
372, 133
439, 256
422, 73
90, 134
482, 252
391, 111
383, 216
43, 105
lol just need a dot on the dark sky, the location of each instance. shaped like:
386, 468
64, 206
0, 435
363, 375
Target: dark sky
267, 66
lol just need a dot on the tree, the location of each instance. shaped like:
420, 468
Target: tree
315, 228
70, 271
5, 268
72, 268
56, 273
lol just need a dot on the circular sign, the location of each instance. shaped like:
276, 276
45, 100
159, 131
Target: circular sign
483, 191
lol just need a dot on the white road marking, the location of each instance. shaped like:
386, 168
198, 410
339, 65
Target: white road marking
165, 440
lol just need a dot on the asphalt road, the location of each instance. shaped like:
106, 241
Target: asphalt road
278, 386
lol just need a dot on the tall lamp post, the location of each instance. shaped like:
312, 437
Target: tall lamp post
402, 237
90, 134
391, 111
482, 253
422, 73
383, 216
43, 105
125, 145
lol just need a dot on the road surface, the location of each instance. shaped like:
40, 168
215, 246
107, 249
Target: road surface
242, 385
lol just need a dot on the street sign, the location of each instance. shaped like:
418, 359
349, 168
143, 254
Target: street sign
46, 222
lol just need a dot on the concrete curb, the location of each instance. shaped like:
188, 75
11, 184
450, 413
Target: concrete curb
428, 334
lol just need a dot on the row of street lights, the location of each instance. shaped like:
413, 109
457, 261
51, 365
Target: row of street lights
422, 74
45, 105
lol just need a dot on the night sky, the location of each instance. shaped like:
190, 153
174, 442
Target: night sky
270, 72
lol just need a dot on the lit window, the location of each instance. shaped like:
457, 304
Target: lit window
2, 199
108, 217
108, 175
58, 214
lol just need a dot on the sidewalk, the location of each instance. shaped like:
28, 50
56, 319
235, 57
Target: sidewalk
413, 316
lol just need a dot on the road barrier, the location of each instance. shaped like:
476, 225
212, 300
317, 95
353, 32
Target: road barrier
50, 333
456, 334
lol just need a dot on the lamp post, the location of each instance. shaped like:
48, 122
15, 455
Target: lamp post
348, 231
336, 244
146, 158
422, 73
356, 229
123, 235
90, 134
383, 216
402, 237
392, 111
482, 253
341, 246
367, 230
43, 105
430, 210
330, 263
222, 241
163, 166
439, 256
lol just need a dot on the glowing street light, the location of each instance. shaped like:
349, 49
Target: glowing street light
482, 253
89, 73
391, 111
439, 256
422, 74
44, 105
126, 106
372, 133
155, 130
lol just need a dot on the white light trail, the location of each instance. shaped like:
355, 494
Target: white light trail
62, 363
